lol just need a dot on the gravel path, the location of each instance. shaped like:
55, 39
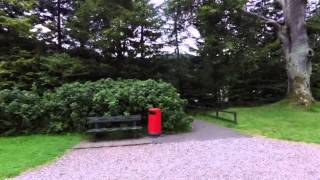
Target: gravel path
233, 158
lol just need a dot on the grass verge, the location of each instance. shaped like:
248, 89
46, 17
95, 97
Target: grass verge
277, 120
20, 153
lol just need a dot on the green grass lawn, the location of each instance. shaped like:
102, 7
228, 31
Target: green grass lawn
277, 120
20, 153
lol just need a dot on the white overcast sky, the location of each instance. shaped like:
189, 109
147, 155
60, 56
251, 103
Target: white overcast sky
157, 2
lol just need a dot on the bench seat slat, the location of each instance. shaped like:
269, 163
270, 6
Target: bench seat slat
93, 120
114, 129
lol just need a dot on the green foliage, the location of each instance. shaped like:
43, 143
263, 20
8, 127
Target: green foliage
313, 31
21, 72
20, 111
177, 21
147, 23
66, 108
21, 25
12, 17
276, 121
25, 70
240, 56
316, 77
72, 103
21, 153
87, 27
62, 64
27, 4
119, 29
59, 68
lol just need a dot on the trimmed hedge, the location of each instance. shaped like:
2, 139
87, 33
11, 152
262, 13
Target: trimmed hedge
65, 108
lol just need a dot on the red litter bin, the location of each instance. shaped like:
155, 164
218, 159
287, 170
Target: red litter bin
154, 122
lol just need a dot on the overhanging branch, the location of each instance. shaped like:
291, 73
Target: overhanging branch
266, 20
281, 29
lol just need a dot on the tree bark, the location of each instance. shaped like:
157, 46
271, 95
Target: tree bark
294, 38
142, 50
59, 30
176, 34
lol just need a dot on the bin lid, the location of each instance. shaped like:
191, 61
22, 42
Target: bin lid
154, 109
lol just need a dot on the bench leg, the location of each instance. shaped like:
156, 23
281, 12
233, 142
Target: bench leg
93, 137
136, 134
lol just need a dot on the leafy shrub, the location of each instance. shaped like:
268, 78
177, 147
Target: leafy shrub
72, 103
20, 112
66, 108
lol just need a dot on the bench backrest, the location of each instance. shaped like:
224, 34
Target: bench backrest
107, 119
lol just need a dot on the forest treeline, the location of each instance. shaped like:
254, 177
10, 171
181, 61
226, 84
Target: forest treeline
44, 44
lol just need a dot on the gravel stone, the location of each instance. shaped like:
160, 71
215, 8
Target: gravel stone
233, 158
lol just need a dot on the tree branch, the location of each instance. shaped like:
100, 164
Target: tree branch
281, 29
266, 20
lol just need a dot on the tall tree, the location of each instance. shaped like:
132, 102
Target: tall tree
54, 16
176, 22
292, 33
94, 25
180, 16
131, 33
59, 29
235, 48
146, 24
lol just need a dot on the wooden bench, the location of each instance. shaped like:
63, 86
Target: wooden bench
97, 125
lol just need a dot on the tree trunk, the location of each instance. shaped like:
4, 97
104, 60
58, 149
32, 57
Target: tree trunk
294, 38
142, 50
176, 33
59, 31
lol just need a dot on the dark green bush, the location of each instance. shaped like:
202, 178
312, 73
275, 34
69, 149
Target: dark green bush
20, 112
66, 108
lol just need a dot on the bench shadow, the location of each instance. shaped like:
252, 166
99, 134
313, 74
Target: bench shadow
115, 136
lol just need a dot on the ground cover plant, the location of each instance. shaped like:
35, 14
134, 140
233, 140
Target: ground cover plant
276, 121
18, 154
